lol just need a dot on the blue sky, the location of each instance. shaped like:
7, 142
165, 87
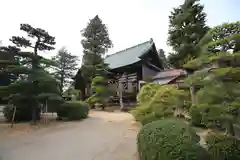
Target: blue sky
129, 21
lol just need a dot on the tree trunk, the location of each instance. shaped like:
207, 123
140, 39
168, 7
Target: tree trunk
230, 129
61, 82
46, 111
193, 95
34, 118
13, 116
120, 88
35, 63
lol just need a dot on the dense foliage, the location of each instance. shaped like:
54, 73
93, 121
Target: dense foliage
95, 44
23, 111
146, 93
72, 93
7, 78
169, 139
73, 110
101, 91
223, 147
159, 101
33, 79
218, 94
66, 67
187, 27
163, 58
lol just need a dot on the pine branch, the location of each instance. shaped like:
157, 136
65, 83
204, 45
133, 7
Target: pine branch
21, 41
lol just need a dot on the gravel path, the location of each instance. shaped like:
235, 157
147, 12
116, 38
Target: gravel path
103, 136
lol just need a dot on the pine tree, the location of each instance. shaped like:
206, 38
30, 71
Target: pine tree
35, 83
217, 100
5, 58
162, 56
66, 67
187, 27
100, 86
95, 44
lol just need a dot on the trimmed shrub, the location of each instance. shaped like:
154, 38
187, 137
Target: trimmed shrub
169, 139
23, 111
223, 147
140, 112
73, 110
147, 92
149, 118
92, 101
196, 117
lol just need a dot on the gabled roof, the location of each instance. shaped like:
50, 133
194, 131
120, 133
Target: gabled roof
128, 56
165, 77
169, 73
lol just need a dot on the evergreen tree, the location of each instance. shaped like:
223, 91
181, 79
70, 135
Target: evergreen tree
36, 83
217, 100
100, 87
222, 38
66, 67
5, 60
162, 56
95, 44
187, 27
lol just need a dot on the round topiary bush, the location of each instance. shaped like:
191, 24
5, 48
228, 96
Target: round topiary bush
146, 93
73, 110
223, 147
169, 139
149, 118
140, 112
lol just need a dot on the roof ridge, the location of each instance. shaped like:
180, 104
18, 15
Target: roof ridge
171, 69
130, 48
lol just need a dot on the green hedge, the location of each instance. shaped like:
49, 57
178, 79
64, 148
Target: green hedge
196, 117
23, 111
169, 139
146, 93
149, 118
223, 147
140, 112
73, 110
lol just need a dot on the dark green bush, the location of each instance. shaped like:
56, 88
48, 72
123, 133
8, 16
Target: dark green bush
92, 101
23, 111
73, 110
169, 139
149, 118
140, 112
146, 93
223, 147
196, 117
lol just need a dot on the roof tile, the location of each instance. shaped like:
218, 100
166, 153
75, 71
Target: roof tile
128, 56
169, 73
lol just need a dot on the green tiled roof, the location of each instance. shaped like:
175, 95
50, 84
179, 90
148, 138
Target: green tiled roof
128, 56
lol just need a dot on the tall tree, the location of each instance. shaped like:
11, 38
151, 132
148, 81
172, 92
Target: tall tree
187, 27
95, 44
100, 87
36, 81
222, 38
162, 56
5, 59
217, 101
66, 67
